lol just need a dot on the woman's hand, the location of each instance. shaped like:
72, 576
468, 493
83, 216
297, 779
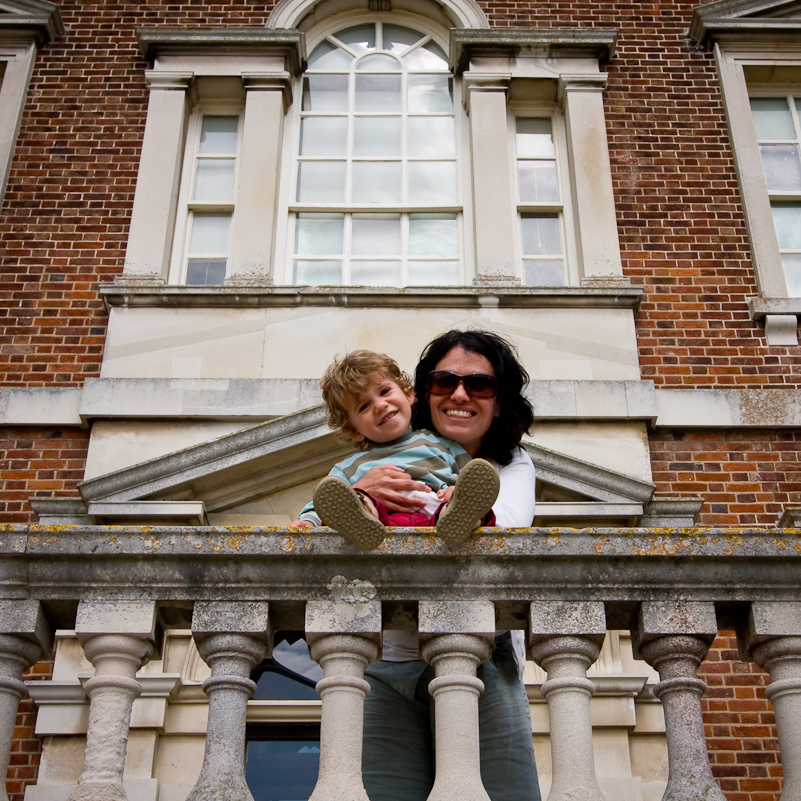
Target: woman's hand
387, 483
301, 524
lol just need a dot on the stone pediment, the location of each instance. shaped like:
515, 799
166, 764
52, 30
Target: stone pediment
39, 15
746, 19
235, 471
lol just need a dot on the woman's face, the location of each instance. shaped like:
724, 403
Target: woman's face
459, 416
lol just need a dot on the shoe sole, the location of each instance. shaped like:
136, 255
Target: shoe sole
340, 508
476, 490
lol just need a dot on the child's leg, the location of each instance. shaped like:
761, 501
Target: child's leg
475, 491
342, 508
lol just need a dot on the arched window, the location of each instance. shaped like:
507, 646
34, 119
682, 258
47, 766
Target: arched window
376, 198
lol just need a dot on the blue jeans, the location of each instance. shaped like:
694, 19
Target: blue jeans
398, 761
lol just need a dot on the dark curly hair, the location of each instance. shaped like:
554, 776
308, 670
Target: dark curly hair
516, 415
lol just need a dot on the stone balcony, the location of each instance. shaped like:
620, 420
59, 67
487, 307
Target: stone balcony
575, 593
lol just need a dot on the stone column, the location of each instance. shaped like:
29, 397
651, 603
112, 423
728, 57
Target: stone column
232, 638
24, 638
773, 640
344, 638
117, 638
147, 255
494, 216
456, 637
267, 99
591, 180
674, 637
566, 638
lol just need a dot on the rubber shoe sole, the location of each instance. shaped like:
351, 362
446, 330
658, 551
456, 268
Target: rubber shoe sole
340, 508
476, 490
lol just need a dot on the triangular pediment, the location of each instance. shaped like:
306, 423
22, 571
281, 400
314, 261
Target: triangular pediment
240, 470
746, 19
39, 16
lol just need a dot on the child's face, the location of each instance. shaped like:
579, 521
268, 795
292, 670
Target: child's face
381, 412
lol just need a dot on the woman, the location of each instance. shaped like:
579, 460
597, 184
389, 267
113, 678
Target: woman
469, 387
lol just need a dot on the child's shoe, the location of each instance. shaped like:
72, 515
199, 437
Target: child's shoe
476, 490
341, 508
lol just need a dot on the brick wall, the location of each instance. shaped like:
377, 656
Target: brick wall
38, 462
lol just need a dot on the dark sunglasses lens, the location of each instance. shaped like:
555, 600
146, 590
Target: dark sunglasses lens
442, 382
481, 386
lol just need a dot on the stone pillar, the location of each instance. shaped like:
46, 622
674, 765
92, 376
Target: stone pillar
24, 638
456, 637
147, 255
232, 638
591, 180
267, 99
566, 638
773, 640
674, 637
494, 217
344, 638
117, 638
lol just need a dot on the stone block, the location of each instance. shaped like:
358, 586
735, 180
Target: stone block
135, 618
669, 618
25, 618
767, 620
577, 618
456, 617
339, 617
232, 617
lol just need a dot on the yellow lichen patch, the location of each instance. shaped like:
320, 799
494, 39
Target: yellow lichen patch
235, 541
661, 546
554, 540
308, 542
155, 544
780, 544
289, 544
732, 541
601, 543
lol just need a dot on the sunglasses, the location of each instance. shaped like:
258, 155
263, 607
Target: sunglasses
476, 385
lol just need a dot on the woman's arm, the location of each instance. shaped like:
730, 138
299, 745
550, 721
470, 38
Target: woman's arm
515, 505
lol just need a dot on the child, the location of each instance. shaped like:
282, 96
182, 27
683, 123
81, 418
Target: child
369, 402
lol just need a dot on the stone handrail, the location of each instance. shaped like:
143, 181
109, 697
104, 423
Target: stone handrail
673, 589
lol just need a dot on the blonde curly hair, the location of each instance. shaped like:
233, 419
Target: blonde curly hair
345, 378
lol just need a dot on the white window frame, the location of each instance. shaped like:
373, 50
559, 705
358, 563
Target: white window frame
186, 205
290, 208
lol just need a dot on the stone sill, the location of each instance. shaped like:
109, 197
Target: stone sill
160, 296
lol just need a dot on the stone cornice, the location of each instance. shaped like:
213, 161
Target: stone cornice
39, 17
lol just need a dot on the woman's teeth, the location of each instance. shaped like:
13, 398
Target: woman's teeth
459, 413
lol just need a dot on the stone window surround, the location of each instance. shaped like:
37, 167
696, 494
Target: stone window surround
497, 66
740, 42
26, 27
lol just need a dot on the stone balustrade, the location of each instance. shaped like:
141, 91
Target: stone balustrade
119, 588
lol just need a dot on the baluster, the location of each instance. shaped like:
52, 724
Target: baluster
674, 639
117, 638
566, 639
232, 638
344, 639
456, 637
773, 640
24, 638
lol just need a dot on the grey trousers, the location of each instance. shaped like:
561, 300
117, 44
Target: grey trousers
398, 762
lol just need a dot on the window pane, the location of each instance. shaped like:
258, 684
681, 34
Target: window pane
359, 39
792, 274
433, 137
321, 181
218, 135
434, 273
428, 57
327, 56
319, 234
209, 233
430, 93
375, 273
325, 93
377, 136
205, 271
397, 39
214, 179
537, 181
534, 138
432, 182
317, 273
787, 220
782, 166
323, 136
543, 273
433, 235
282, 769
376, 182
541, 234
376, 235
378, 93
772, 118
378, 64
